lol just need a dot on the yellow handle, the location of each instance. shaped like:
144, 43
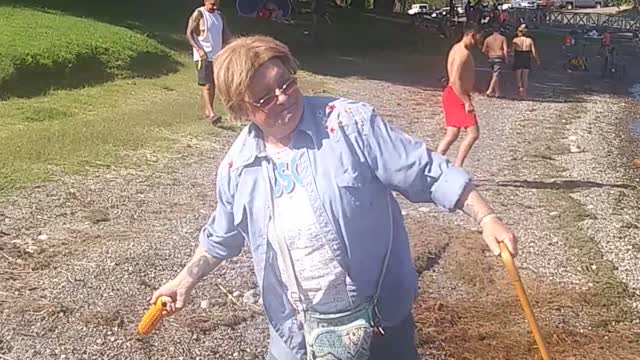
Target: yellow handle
524, 300
152, 317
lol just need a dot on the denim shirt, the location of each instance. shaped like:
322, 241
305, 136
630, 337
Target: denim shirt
350, 161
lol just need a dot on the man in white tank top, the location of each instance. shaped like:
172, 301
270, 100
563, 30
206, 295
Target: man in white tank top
207, 34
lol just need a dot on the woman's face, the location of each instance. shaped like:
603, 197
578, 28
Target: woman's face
275, 101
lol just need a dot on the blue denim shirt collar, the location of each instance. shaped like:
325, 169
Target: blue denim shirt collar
254, 147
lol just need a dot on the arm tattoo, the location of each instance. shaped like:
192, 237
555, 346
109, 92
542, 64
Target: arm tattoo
195, 24
194, 29
199, 268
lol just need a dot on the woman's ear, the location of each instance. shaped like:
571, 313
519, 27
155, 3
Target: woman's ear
243, 113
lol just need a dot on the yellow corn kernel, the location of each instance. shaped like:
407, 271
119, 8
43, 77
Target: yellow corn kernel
151, 317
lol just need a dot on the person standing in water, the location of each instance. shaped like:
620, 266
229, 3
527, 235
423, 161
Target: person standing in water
207, 34
523, 49
459, 112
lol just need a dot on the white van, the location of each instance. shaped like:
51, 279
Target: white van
419, 9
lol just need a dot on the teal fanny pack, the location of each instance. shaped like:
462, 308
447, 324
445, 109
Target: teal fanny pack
345, 336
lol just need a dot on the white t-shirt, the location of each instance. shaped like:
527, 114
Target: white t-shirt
323, 283
211, 38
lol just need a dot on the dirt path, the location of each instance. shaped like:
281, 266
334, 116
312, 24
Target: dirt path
79, 257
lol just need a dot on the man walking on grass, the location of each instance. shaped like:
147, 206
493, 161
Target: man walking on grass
456, 99
207, 34
495, 47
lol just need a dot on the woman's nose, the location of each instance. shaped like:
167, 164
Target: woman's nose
281, 96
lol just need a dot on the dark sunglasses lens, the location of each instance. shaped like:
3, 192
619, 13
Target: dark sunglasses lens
268, 102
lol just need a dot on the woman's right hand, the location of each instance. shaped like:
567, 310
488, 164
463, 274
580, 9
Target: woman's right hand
176, 294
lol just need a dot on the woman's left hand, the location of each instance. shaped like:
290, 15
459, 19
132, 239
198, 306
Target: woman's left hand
494, 231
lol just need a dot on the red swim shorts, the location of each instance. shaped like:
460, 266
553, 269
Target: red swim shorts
454, 112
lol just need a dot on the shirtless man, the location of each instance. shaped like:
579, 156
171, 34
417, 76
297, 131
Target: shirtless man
496, 48
456, 98
207, 34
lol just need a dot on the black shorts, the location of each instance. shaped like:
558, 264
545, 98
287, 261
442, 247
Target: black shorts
205, 72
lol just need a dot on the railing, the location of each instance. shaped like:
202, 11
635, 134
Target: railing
575, 19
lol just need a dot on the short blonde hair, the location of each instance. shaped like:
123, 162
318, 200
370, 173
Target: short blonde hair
522, 30
236, 63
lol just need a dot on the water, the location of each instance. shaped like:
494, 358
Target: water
635, 91
635, 125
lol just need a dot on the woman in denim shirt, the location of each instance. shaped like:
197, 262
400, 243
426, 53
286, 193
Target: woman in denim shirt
307, 185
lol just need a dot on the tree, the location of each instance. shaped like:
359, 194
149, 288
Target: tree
384, 5
359, 4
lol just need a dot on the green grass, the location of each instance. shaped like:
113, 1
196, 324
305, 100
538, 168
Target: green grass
48, 50
74, 128
68, 131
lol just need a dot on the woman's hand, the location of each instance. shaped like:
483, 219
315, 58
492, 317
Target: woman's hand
176, 294
494, 231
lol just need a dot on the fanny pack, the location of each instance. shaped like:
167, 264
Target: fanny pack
347, 335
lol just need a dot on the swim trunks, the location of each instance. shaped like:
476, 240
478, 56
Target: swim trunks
454, 113
496, 64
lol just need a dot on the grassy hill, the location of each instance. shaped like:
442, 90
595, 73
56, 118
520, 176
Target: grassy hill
80, 85
44, 50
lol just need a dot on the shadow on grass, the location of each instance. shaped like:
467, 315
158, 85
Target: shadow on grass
31, 80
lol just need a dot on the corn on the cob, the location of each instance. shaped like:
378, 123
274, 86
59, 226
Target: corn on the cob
151, 317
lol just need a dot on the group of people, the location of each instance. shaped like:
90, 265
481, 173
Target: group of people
308, 187
522, 51
457, 104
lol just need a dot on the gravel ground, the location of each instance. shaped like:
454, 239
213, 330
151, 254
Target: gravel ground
613, 199
527, 153
80, 256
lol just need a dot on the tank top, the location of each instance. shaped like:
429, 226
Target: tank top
211, 39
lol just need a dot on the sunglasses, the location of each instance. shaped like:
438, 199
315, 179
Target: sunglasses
268, 101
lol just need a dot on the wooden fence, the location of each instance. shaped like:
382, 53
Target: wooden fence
575, 19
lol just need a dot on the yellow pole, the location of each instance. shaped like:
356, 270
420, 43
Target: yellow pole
524, 301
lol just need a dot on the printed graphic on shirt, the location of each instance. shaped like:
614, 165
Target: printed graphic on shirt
323, 283
287, 176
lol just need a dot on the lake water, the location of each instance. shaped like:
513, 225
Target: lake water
635, 125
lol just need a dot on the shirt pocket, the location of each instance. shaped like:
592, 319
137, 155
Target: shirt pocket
352, 179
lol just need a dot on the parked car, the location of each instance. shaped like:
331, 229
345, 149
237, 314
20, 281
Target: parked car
572, 4
445, 11
546, 4
524, 4
419, 9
